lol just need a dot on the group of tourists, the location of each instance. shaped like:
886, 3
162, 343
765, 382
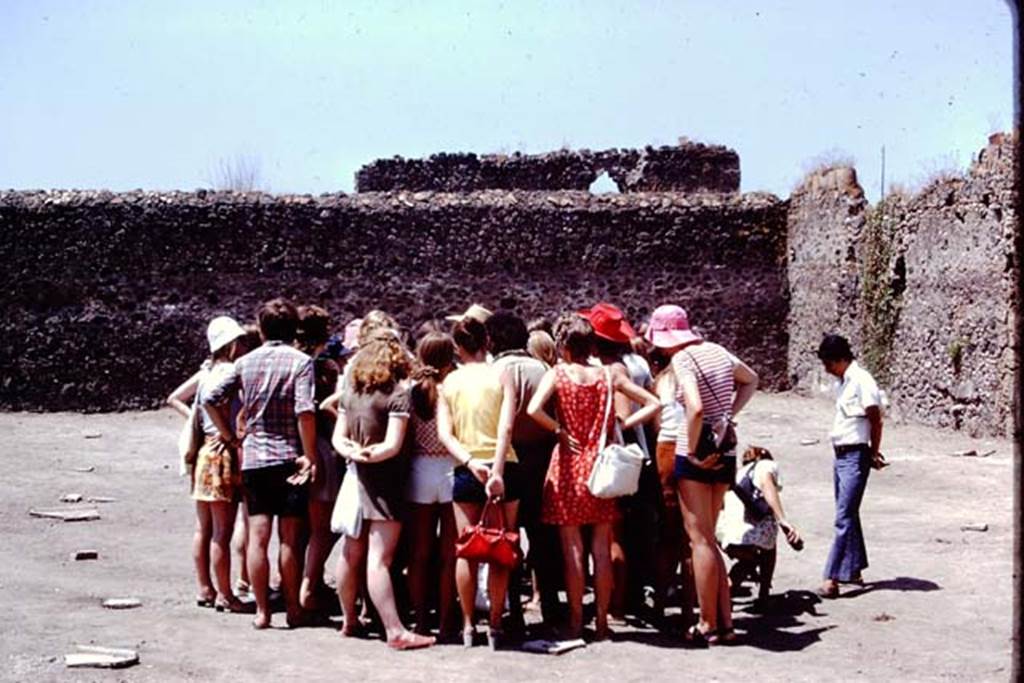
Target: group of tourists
400, 447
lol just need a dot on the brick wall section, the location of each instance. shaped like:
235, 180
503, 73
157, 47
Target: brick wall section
688, 167
952, 354
826, 217
107, 295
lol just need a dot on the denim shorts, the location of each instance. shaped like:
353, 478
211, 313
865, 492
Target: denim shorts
726, 474
469, 489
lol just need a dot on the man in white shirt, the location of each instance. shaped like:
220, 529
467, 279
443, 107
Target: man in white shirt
856, 437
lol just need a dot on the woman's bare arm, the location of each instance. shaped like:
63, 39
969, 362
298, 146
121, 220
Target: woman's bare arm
180, 397
665, 388
506, 419
536, 410
391, 446
649, 405
746, 384
344, 446
766, 483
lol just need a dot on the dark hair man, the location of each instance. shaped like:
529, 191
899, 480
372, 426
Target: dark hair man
533, 446
856, 437
276, 385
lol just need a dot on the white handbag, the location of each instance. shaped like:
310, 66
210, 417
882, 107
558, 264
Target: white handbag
347, 516
617, 468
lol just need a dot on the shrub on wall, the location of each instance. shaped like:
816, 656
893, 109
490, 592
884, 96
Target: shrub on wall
883, 281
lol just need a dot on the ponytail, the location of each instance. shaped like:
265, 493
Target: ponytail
436, 355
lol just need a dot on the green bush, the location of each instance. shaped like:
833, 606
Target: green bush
883, 280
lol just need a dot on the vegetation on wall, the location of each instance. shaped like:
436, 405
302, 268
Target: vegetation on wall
883, 281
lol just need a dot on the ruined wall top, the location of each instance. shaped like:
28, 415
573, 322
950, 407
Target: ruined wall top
686, 167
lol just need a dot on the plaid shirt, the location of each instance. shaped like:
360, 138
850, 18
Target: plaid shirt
275, 383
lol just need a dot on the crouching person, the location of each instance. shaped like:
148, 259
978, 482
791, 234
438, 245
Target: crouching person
751, 520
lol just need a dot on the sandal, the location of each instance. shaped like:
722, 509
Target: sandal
205, 602
700, 639
233, 606
727, 636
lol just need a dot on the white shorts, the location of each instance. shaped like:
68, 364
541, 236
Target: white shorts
430, 480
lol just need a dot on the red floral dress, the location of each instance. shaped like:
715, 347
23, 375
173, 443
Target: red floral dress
567, 500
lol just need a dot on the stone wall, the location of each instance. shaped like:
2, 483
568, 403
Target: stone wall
924, 285
825, 221
106, 296
688, 167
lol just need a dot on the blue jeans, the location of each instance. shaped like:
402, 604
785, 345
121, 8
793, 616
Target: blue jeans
848, 555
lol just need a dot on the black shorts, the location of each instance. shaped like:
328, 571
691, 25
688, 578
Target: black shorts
726, 474
267, 491
469, 489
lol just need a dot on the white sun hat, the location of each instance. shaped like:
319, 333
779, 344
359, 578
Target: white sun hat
221, 331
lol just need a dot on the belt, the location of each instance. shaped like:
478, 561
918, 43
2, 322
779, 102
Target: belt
850, 448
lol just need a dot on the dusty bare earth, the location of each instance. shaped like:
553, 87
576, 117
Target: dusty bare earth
937, 604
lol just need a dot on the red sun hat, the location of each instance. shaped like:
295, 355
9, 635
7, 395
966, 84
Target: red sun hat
609, 323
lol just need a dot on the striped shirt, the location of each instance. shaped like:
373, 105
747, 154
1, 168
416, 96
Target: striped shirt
711, 367
276, 384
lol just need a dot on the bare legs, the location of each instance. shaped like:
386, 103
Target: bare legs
321, 541
223, 518
288, 534
377, 545
619, 571
423, 521
349, 574
201, 552
701, 504
239, 542
573, 563
465, 571
259, 567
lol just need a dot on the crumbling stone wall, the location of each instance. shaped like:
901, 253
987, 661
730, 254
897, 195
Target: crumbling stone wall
824, 224
106, 296
924, 284
953, 347
688, 167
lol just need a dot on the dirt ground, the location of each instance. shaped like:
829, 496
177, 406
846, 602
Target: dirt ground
938, 603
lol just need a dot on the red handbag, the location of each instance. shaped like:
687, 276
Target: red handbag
482, 542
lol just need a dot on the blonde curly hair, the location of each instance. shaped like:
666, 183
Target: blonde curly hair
380, 365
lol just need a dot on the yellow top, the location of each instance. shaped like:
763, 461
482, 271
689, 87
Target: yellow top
474, 394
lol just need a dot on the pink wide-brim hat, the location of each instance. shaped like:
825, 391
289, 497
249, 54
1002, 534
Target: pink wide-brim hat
670, 327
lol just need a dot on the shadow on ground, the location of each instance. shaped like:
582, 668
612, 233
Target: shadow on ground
770, 626
900, 583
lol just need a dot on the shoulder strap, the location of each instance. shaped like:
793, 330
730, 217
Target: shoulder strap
704, 379
607, 409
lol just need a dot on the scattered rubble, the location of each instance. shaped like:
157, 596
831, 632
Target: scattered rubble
101, 657
76, 515
122, 603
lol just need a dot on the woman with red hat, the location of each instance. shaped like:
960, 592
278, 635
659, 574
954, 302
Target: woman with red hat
633, 544
581, 394
713, 386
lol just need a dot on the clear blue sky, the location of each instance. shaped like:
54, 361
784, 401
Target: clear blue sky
152, 94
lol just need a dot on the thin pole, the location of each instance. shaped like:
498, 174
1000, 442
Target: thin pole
882, 193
